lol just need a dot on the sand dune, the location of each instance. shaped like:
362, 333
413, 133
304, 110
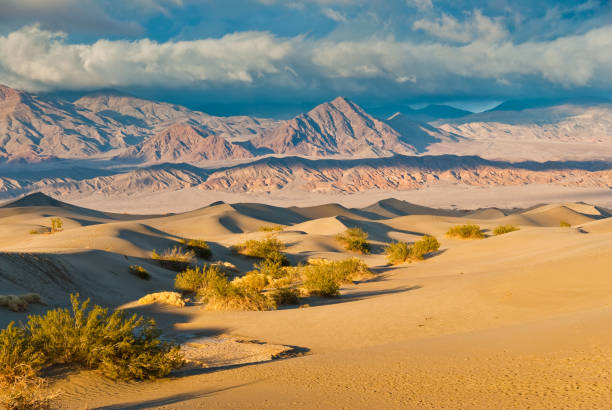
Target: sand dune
512, 321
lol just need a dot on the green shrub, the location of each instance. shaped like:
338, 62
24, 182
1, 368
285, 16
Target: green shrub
502, 229
269, 248
565, 224
321, 280
355, 240
118, 346
175, 258
397, 252
422, 247
139, 271
271, 228
57, 225
467, 231
220, 294
199, 247
253, 281
192, 279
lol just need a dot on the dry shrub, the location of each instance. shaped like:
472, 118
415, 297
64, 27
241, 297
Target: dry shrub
227, 268
355, 240
323, 277
166, 298
565, 224
57, 225
191, 280
20, 303
285, 296
467, 231
502, 229
271, 228
397, 252
423, 246
199, 247
269, 248
175, 258
23, 389
252, 281
139, 271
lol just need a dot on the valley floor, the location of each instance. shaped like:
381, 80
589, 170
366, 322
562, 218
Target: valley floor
521, 320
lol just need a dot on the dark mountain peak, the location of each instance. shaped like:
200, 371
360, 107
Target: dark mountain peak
35, 199
531, 103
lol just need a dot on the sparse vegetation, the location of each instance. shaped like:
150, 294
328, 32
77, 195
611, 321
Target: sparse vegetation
139, 271
399, 252
468, 231
269, 248
271, 228
176, 258
118, 346
165, 298
20, 303
565, 224
57, 225
192, 280
199, 247
502, 229
34, 231
355, 240
285, 296
323, 277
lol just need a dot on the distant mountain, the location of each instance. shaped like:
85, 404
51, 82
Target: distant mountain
339, 127
183, 142
418, 134
432, 112
525, 104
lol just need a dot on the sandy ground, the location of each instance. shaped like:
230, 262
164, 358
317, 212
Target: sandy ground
522, 320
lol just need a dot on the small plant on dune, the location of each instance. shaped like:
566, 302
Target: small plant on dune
565, 224
175, 258
271, 228
20, 303
269, 248
346, 270
34, 232
199, 247
253, 281
355, 240
140, 272
120, 347
502, 229
25, 390
468, 231
397, 252
191, 280
165, 298
221, 294
423, 246
57, 225
321, 280
285, 296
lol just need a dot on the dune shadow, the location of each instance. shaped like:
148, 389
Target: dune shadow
360, 295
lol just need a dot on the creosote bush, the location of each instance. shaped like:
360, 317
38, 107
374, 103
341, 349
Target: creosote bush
355, 240
467, 231
176, 258
140, 272
271, 228
191, 280
269, 248
502, 229
57, 225
199, 247
20, 303
165, 298
399, 252
323, 277
120, 347
565, 224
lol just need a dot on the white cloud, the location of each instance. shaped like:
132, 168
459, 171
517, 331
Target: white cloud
476, 26
420, 4
36, 59
334, 15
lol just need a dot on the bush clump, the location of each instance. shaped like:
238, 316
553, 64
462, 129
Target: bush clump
285, 296
271, 228
20, 303
502, 229
269, 248
57, 225
355, 240
565, 224
176, 258
140, 272
192, 279
221, 294
120, 347
467, 231
399, 252
323, 277
199, 247
166, 298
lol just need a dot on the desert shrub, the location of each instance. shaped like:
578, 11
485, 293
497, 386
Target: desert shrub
397, 252
165, 298
220, 294
199, 247
502, 229
273, 269
139, 271
34, 231
175, 258
321, 280
423, 246
19, 303
467, 231
271, 228
25, 391
285, 296
565, 224
57, 225
120, 347
193, 279
355, 240
252, 281
269, 248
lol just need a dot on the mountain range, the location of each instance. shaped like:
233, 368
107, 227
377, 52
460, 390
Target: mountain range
120, 144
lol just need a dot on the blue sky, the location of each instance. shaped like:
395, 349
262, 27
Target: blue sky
280, 55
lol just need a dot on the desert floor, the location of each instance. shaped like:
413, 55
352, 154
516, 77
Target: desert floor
517, 321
